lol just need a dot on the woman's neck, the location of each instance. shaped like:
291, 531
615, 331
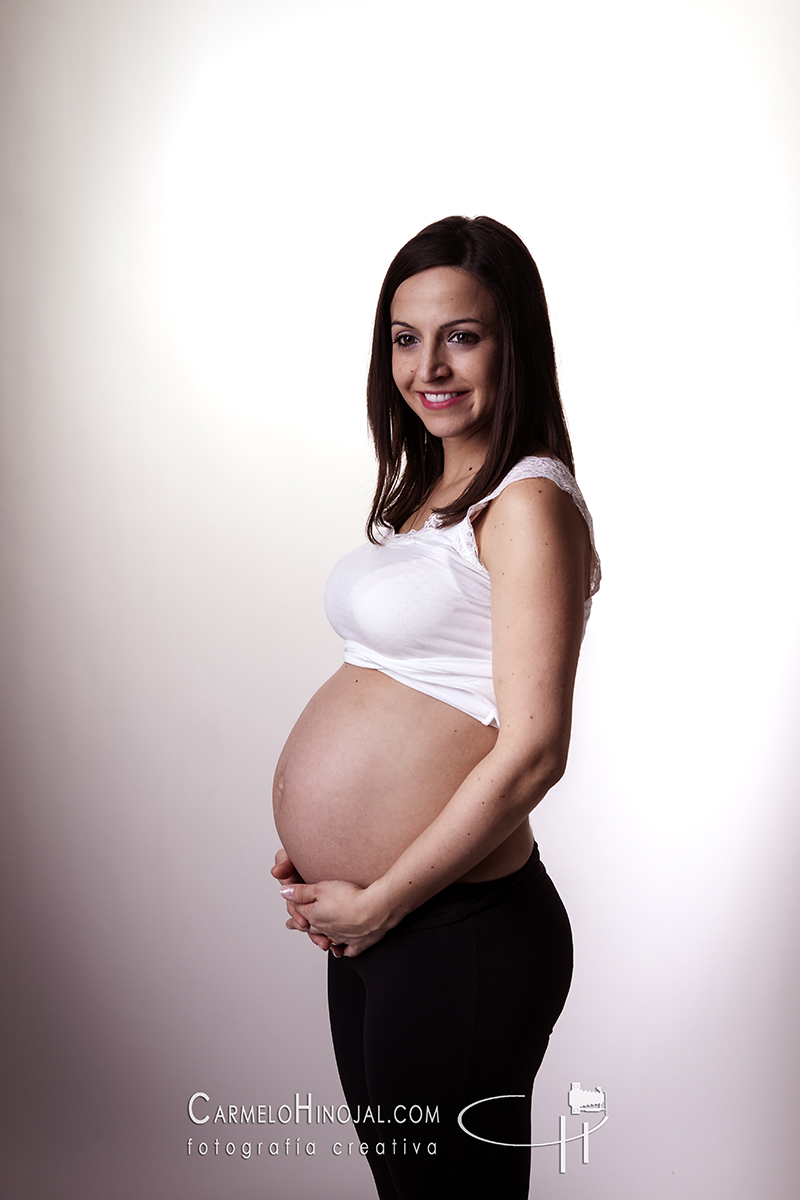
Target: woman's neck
462, 461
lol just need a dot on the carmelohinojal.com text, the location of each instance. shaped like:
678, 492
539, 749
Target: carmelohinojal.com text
409, 1141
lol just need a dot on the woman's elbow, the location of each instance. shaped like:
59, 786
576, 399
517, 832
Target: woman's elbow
546, 770
536, 773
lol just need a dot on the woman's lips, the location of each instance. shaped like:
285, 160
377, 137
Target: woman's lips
440, 399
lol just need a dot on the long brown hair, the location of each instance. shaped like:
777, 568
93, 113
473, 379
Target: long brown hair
528, 405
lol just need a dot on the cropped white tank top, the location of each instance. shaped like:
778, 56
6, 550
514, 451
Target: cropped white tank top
418, 606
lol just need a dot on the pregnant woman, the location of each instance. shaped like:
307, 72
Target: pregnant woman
403, 793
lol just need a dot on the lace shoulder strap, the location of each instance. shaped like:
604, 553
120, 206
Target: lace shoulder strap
530, 468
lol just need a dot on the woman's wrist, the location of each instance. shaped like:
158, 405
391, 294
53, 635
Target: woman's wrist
386, 903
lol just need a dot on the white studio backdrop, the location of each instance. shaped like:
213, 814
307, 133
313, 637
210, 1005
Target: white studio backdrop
200, 201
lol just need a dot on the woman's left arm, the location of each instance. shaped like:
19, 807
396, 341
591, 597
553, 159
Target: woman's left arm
535, 546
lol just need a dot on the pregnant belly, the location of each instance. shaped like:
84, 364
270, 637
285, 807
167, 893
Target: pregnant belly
368, 766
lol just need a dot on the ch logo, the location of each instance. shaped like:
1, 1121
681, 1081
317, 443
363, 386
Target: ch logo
580, 1100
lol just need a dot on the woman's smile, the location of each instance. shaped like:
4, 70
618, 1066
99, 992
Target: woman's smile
434, 400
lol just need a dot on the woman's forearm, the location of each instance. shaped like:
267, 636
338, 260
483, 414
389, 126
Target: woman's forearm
494, 799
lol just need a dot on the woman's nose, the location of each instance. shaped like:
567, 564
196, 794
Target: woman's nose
433, 364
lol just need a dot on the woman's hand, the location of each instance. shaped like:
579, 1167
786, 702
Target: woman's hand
284, 871
341, 913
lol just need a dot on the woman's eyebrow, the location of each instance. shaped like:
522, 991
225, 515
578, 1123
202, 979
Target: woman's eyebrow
447, 324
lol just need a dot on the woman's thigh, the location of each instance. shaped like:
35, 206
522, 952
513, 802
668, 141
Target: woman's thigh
431, 1020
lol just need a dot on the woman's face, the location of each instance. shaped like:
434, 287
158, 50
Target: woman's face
446, 351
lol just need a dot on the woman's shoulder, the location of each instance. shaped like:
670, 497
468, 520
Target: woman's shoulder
538, 497
533, 467
536, 466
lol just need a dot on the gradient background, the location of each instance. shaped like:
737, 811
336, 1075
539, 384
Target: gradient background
199, 202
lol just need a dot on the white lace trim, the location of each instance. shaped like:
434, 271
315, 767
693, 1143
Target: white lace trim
389, 534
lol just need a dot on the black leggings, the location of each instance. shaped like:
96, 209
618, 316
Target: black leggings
455, 1004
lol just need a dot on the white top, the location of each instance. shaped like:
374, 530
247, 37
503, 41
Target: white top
418, 606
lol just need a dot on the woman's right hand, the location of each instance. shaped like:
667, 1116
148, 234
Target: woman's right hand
284, 871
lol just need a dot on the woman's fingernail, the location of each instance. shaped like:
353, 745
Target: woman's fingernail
288, 892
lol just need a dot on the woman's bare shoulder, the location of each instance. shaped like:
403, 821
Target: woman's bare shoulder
533, 518
532, 502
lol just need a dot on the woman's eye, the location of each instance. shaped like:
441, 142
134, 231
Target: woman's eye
463, 337
404, 339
